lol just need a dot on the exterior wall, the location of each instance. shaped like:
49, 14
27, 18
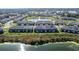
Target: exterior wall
34, 29
45, 30
70, 31
25, 24
20, 30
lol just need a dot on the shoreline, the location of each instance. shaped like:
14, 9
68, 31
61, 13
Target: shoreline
40, 39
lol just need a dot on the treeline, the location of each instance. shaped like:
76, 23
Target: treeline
40, 39
70, 15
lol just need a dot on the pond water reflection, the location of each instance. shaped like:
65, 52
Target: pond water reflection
45, 47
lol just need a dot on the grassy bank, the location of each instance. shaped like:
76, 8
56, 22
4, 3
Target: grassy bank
40, 38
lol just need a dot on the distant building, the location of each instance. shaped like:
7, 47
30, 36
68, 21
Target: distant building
21, 29
0, 24
44, 23
69, 18
70, 29
59, 22
35, 22
36, 29
5, 20
74, 23
39, 19
25, 23
16, 19
45, 29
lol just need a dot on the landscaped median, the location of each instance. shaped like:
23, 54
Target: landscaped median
40, 38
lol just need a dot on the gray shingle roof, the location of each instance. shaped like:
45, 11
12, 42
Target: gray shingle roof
44, 22
74, 23
69, 18
24, 22
36, 20
1, 29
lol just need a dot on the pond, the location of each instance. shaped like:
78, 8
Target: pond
70, 46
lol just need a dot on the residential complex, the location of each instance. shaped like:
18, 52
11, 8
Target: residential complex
41, 20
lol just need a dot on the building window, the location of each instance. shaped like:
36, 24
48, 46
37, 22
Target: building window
25, 24
43, 24
19, 24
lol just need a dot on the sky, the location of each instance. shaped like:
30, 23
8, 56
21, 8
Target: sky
39, 3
